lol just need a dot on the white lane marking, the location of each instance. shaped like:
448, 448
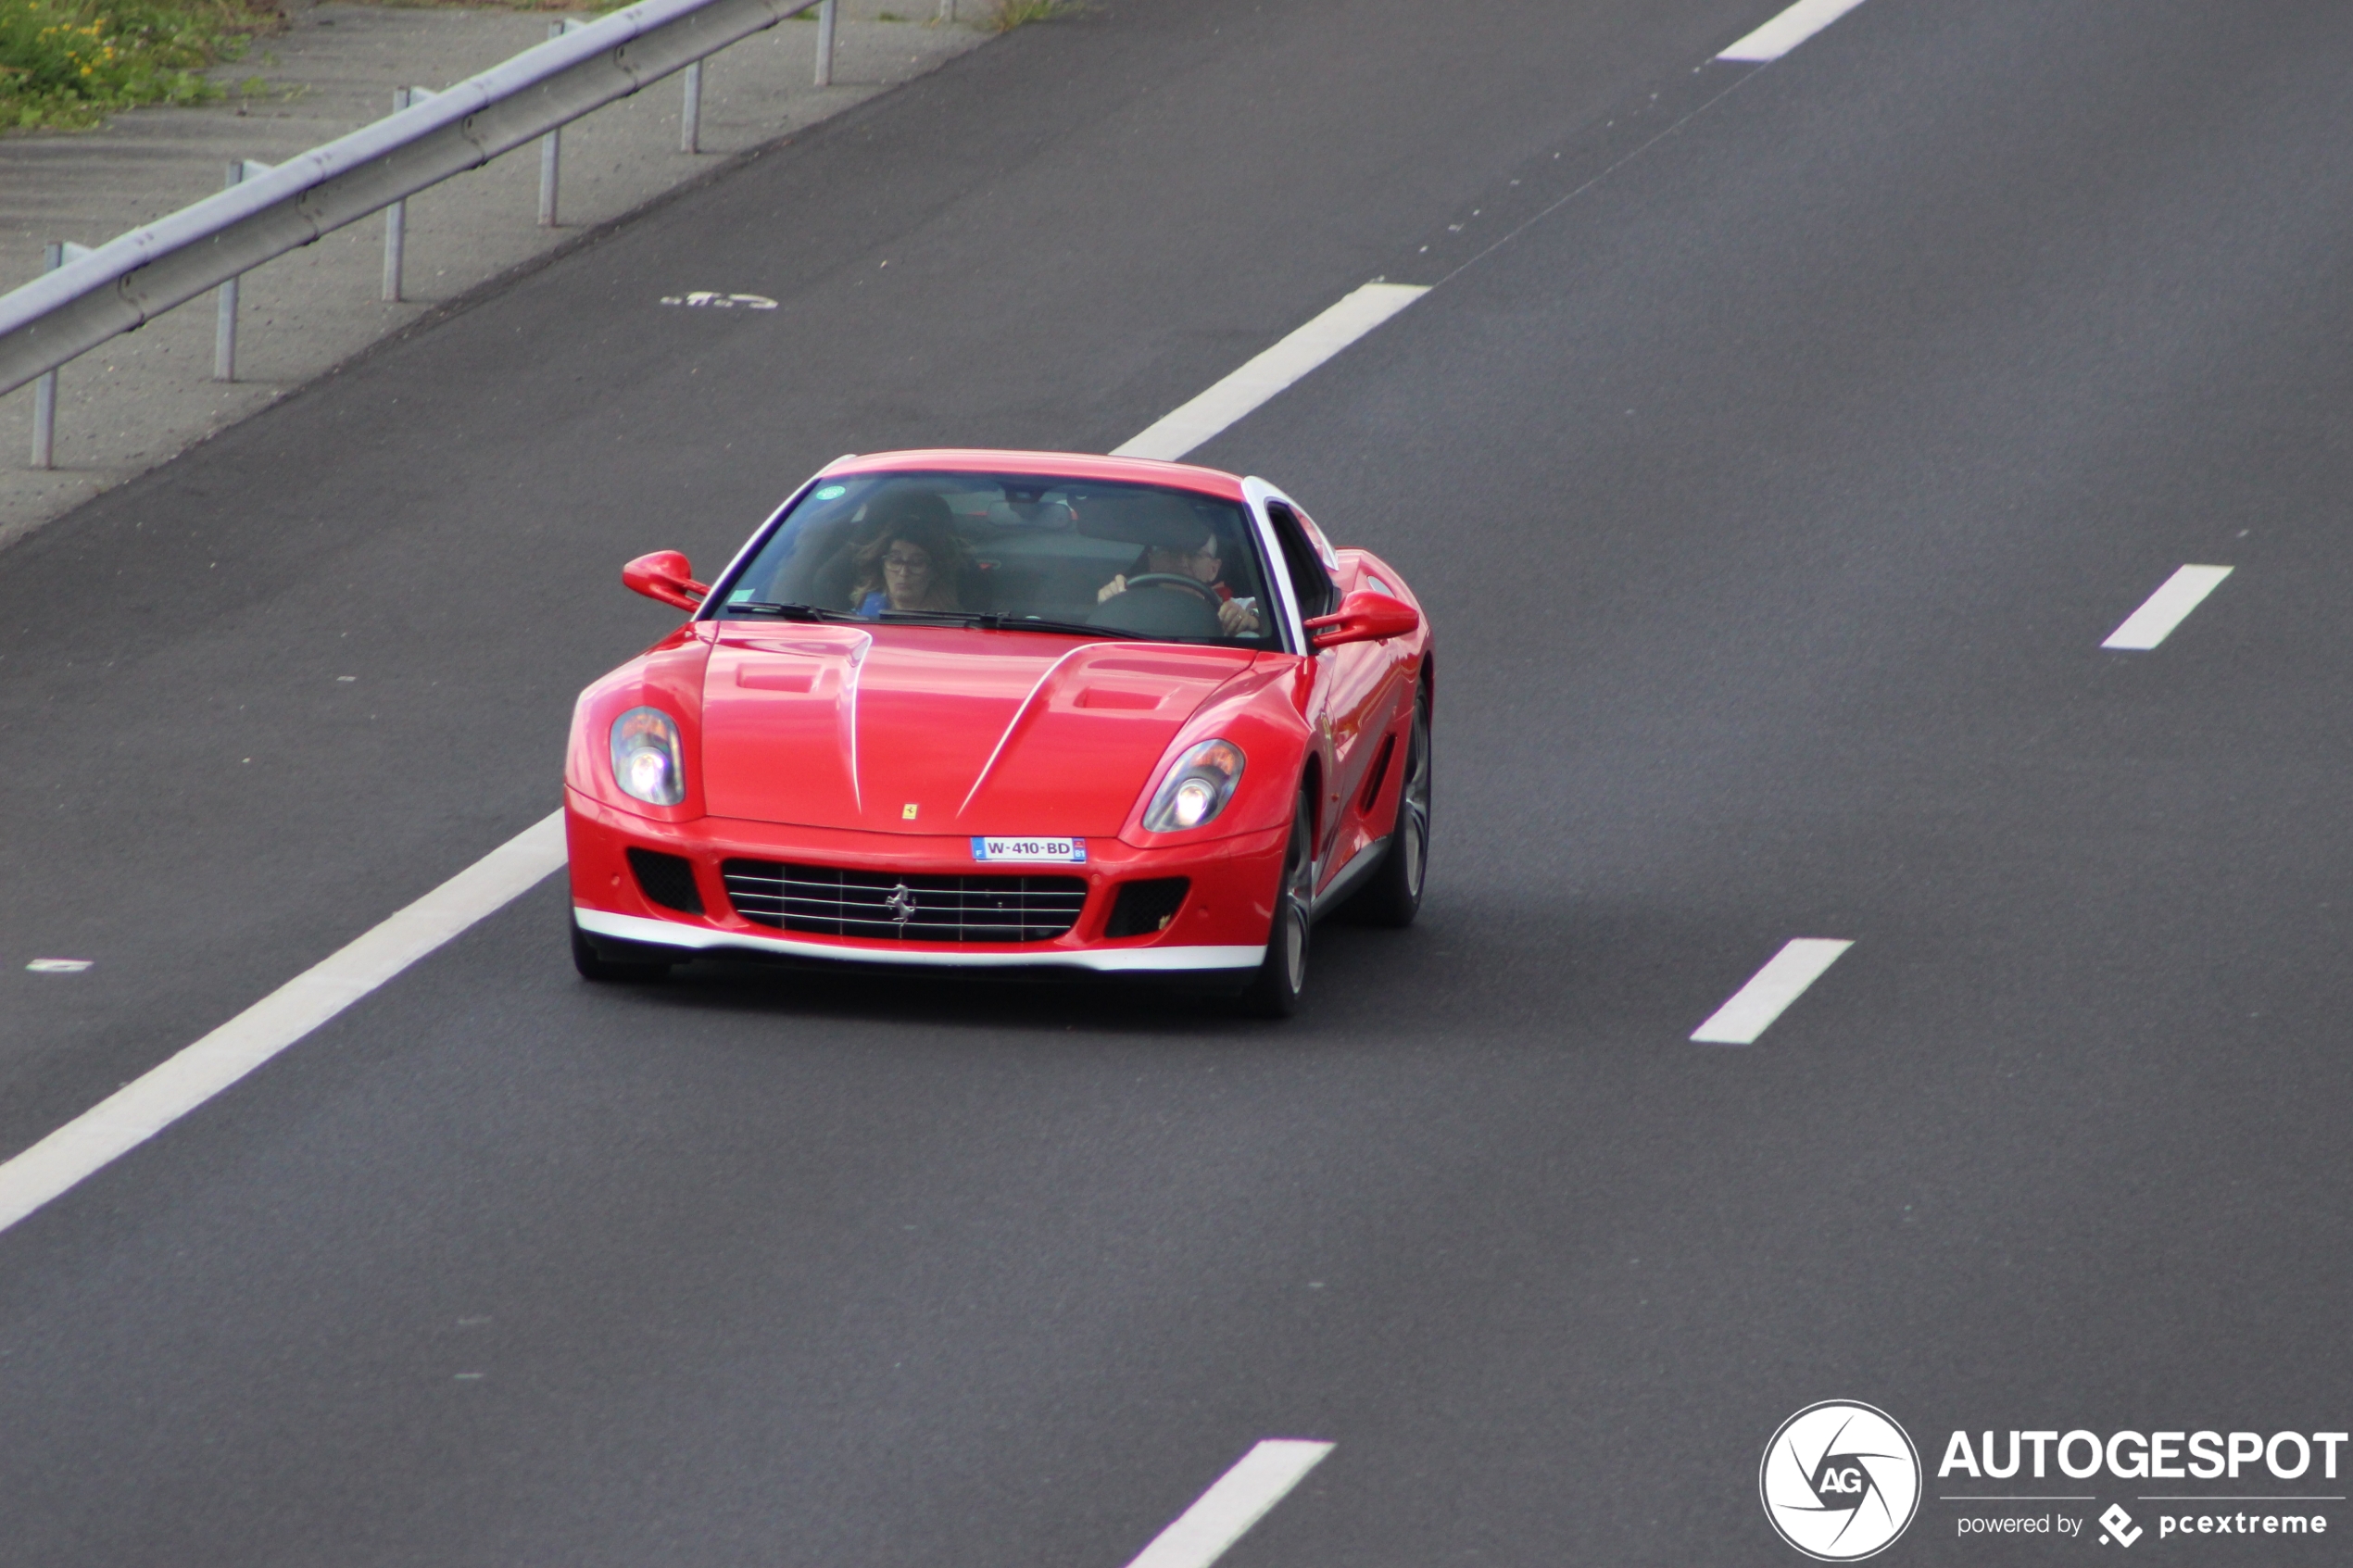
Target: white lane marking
149, 1104
2166, 608
708, 299
1783, 980
1789, 30
1269, 373
58, 966
1240, 1499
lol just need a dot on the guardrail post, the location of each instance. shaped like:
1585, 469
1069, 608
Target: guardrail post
44, 390
690, 116
551, 145
396, 215
224, 329
947, 10
224, 332
825, 16
551, 153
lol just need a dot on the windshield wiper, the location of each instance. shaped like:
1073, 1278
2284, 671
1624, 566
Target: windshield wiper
784, 612
989, 621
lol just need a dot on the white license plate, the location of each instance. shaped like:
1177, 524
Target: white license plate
1064, 850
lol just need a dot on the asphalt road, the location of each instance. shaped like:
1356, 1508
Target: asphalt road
1774, 452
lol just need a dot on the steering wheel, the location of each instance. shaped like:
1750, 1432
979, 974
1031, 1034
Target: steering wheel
1172, 579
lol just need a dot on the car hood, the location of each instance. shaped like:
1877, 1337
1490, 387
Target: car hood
923, 730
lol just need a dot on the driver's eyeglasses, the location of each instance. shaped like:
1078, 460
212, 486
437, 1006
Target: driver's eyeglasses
907, 563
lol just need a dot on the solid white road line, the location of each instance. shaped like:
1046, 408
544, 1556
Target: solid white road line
1251, 385
1240, 1499
145, 1106
1783, 980
148, 1105
2166, 608
1789, 30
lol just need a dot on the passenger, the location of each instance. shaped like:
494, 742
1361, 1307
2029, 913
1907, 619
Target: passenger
1204, 564
915, 563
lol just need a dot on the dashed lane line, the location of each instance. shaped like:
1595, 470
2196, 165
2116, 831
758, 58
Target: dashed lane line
2166, 608
1241, 1498
1789, 30
1784, 979
1272, 371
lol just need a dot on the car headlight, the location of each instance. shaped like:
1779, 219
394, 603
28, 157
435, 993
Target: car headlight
646, 756
1197, 788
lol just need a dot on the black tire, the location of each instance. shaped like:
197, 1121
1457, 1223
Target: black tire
593, 964
1393, 895
1275, 990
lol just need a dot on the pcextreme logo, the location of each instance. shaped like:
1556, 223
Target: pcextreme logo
1840, 1481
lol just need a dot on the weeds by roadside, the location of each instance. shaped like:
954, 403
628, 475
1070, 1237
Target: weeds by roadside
68, 64
1004, 16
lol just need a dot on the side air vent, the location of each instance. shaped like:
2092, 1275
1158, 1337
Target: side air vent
667, 880
1379, 776
1147, 906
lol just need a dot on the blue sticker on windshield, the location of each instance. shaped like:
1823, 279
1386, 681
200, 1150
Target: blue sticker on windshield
831, 493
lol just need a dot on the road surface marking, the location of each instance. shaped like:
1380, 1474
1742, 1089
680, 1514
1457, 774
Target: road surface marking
1789, 30
58, 966
1240, 1499
1280, 366
148, 1105
1783, 980
2166, 608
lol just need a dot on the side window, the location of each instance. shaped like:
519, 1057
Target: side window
1309, 581
1316, 537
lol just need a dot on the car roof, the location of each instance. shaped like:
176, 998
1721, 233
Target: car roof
1050, 465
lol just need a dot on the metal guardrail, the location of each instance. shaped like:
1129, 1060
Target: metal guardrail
101, 292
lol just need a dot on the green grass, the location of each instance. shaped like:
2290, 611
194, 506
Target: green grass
68, 64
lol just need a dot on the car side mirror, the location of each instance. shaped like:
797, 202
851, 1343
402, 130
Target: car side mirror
1364, 617
665, 575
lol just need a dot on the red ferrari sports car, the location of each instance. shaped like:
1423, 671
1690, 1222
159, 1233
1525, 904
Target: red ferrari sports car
1010, 710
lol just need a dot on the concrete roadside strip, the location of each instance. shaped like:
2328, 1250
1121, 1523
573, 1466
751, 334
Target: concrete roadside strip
140, 399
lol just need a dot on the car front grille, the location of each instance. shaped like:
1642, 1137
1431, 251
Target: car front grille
829, 901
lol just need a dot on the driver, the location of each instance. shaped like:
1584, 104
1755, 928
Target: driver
914, 561
1204, 564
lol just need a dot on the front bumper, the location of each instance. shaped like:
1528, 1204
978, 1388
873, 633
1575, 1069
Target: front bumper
1222, 925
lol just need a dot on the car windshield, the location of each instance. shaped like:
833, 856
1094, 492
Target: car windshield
1009, 553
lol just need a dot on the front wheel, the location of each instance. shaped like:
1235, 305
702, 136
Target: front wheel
1275, 990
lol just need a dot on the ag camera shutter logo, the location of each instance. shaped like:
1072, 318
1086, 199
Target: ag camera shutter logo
1840, 1481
